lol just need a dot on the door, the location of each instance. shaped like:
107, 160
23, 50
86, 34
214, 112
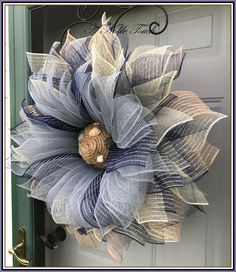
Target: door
27, 214
204, 31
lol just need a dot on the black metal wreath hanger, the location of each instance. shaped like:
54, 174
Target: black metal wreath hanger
81, 10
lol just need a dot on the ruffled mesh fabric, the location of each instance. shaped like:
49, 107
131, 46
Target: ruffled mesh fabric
159, 152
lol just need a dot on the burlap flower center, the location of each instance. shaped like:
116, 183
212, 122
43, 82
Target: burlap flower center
92, 144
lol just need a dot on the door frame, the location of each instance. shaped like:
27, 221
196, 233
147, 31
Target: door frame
26, 212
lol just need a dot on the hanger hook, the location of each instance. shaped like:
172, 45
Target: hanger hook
151, 25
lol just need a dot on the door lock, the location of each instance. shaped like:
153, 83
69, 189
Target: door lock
18, 252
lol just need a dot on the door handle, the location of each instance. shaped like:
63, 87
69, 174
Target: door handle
18, 252
52, 238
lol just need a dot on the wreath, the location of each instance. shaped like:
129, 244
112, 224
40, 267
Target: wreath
111, 150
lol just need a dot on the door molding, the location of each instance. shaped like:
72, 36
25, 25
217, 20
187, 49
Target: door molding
26, 212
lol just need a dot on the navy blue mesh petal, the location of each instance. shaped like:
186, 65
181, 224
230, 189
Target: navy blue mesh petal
76, 53
137, 155
88, 203
165, 181
33, 113
44, 77
79, 81
41, 168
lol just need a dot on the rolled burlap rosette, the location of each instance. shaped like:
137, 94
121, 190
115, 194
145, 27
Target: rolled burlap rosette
92, 145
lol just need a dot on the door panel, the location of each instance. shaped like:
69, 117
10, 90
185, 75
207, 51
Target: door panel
206, 70
204, 31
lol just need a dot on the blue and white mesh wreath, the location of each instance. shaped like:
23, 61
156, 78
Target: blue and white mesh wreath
113, 153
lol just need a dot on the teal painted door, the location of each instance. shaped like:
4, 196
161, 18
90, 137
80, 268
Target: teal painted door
27, 213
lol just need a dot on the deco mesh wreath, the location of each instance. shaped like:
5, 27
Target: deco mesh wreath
113, 153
